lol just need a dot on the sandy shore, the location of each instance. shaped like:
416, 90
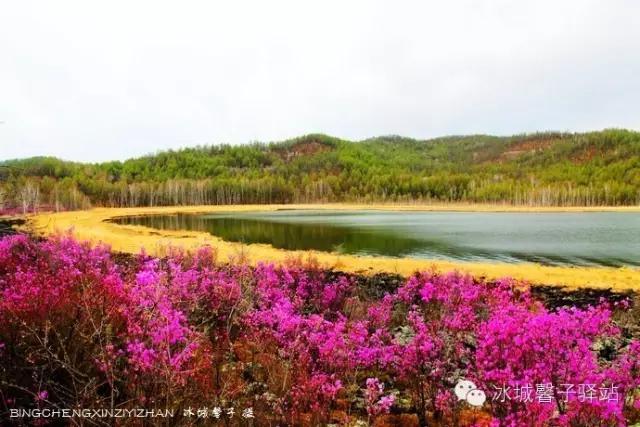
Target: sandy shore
91, 225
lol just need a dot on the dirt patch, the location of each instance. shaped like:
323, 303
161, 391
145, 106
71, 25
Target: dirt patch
532, 145
303, 148
586, 155
554, 297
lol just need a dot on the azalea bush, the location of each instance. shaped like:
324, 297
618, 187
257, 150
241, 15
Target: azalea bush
82, 327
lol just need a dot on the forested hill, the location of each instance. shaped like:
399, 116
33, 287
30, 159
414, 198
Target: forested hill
544, 169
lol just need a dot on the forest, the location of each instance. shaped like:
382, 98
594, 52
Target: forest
540, 169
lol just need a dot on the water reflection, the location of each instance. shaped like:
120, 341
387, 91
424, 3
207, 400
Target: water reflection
550, 238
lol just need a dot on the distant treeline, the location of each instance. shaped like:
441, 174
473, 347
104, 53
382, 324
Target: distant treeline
542, 169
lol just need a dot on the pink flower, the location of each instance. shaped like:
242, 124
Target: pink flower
376, 402
188, 326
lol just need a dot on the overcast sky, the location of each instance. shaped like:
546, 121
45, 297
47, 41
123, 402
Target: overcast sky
95, 81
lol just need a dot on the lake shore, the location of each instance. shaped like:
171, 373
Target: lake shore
93, 225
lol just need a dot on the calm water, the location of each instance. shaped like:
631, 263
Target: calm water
594, 238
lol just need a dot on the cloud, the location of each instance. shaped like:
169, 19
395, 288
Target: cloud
111, 80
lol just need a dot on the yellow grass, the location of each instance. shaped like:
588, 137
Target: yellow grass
90, 225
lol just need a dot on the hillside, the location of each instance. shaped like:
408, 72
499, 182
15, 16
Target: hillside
542, 169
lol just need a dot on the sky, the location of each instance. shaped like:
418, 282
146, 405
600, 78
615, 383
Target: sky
95, 81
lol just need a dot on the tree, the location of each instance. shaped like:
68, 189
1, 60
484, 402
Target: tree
29, 195
3, 198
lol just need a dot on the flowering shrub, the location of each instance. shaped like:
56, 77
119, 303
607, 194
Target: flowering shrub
377, 403
82, 327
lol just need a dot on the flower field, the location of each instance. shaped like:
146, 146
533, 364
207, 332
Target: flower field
84, 327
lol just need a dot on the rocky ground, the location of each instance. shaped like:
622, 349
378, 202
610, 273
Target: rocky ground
7, 224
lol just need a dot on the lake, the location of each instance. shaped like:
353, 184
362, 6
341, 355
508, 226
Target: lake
559, 238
